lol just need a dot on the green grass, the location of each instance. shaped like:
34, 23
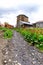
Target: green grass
40, 47
7, 33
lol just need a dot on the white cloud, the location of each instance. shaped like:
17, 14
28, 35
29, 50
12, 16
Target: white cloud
10, 18
36, 16
15, 4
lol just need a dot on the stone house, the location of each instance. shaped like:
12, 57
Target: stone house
22, 21
38, 24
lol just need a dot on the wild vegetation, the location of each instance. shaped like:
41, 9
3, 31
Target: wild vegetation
33, 35
7, 33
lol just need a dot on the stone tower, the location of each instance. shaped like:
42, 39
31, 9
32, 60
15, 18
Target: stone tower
22, 18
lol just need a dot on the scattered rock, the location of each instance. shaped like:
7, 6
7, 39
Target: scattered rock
9, 60
5, 61
33, 54
34, 62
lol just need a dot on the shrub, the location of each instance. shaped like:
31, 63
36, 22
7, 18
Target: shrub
8, 34
40, 38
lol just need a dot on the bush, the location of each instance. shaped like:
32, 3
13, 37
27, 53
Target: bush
8, 34
40, 38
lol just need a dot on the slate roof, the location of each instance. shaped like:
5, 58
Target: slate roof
27, 23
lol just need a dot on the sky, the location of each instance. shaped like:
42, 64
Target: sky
10, 9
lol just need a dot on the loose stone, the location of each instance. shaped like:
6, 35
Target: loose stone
33, 59
6, 52
9, 60
34, 62
5, 62
32, 53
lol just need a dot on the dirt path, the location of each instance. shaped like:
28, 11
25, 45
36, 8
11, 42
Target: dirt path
3, 43
19, 53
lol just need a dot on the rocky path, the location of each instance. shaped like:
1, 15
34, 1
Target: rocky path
17, 52
3, 43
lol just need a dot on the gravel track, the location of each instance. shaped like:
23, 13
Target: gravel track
17, 52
